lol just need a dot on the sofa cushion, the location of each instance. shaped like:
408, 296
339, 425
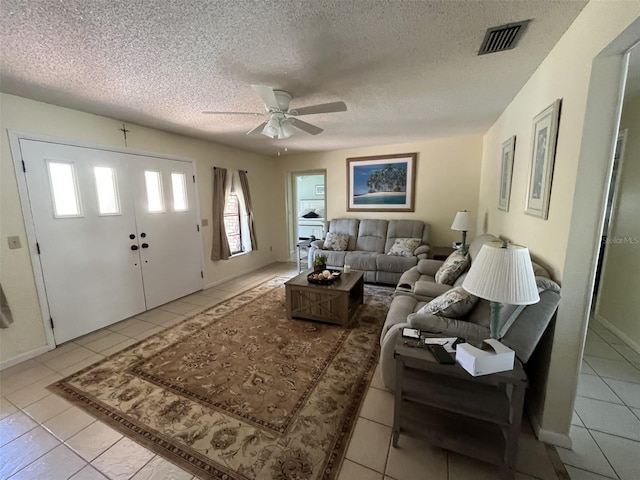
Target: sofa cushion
334, 259
363, 261
455, 265
348, 226
406, 229
336, 241
395, 264
404, 247
371, 235
455, 303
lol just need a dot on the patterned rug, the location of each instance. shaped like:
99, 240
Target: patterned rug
239, 391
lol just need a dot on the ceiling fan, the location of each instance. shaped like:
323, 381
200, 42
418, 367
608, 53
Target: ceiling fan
281, 118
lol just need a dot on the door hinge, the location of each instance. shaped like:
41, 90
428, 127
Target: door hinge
24, 168
201, 274
198, 227
38, 247
194, 179
51, 321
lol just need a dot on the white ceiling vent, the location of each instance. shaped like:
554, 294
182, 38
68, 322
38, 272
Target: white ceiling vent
504, 37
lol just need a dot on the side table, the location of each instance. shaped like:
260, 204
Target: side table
302, 248
441, 253
475, 416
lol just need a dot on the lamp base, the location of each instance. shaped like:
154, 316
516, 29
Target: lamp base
464, 246
494, 326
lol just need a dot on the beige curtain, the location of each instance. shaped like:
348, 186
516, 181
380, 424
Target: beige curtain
248, 208
221, 188
6, 318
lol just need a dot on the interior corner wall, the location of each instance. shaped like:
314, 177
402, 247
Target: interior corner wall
26, 335
618, 300
564, 74
447, 180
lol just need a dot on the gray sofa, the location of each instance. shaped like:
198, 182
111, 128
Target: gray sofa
522, 336
420, 280
368, 244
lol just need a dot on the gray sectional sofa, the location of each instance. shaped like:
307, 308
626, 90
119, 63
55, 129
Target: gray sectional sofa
528, 322
369, 242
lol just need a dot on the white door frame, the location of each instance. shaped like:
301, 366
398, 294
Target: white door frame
14, 143
291, 199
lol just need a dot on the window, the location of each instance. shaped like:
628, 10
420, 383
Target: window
153, 182
232, 223
64, 189
107, 190
179, 186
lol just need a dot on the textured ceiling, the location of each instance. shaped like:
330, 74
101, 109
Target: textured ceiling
407, 70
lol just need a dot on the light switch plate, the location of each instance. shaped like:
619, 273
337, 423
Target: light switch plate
14, 242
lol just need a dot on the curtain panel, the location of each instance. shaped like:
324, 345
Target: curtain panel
221, 187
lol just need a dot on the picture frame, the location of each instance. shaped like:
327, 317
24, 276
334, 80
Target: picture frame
544, 138
383, 183
319, 189
506, 173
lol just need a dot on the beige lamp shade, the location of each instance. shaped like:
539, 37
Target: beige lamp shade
503, 274
462, 222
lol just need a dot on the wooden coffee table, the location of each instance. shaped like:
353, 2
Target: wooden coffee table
333, 303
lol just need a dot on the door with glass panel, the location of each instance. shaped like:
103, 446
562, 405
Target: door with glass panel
81, 202
90, 209
171, 252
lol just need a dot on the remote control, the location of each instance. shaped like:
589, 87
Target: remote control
442, 356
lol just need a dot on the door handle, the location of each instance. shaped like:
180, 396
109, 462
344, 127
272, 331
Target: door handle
145, 245
134, 247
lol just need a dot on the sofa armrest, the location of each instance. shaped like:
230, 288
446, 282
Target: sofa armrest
422, 252
387, 360
447, 326
429, 266
430, 290
318, 244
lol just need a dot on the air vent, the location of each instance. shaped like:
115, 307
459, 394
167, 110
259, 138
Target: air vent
504, 37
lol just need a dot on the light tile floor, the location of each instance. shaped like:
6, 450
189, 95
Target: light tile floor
606, 421
44, 437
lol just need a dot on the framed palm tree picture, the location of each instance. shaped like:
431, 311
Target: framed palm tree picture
384, 183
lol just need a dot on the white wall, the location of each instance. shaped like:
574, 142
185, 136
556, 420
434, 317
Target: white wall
566, 73
618, 300
447, 179
26, 335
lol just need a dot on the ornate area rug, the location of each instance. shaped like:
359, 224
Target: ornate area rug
239, 391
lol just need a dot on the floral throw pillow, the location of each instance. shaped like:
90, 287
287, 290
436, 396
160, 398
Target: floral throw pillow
404, 247
455, 265
336, 241
455, 303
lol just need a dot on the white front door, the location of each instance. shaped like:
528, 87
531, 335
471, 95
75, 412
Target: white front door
92, 277
169, 230
111, 244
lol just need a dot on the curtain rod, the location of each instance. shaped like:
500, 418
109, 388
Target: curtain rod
245, 171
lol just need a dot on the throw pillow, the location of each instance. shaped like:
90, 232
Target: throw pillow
454, 303
404, 247
455, 265
336, 241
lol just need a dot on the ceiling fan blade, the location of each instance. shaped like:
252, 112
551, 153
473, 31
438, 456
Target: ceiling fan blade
258, 128
253, 114
322, 108
267, 96
307, 127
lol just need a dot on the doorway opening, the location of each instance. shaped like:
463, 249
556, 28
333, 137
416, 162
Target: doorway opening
308, 207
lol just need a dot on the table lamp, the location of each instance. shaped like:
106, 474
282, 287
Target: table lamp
462, 223
502, 273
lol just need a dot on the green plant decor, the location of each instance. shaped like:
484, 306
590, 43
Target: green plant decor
320, 260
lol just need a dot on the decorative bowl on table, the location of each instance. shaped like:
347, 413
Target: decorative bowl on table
325, 277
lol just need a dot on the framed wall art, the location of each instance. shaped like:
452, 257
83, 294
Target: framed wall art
384, 183
543, 152
506, 174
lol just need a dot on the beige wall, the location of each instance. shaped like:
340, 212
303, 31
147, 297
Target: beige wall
566, 74
27, 333
447, 175
618, 300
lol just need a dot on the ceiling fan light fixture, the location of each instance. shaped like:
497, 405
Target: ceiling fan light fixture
286, 128
272, 128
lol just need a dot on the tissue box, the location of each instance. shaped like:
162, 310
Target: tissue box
493, 357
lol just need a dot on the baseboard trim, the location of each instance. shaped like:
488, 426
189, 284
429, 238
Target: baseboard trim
23, 357
548, 436
617, 332
237, 275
